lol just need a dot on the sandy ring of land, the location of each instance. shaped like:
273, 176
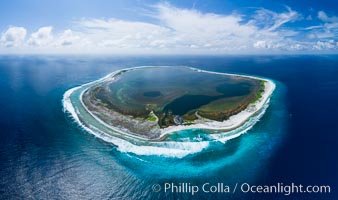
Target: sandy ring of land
232, 123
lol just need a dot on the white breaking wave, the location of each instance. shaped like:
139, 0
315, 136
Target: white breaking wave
223, 137
167, 149
68, 106
164, 148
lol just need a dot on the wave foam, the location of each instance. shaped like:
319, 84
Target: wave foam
167, 149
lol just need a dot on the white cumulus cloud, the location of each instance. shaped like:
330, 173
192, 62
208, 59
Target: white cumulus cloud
67, 38
42, 37
13, 36
325, 45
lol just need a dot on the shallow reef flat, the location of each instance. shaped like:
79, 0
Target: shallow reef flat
147, 103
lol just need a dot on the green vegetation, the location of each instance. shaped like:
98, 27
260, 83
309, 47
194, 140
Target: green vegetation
152, 118
259, 93
223, 104
188, 122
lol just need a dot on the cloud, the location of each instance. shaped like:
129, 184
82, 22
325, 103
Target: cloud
192, 21
184, 31
192, 29
325, 45
13, 36
262, 44
325, 18
67, 38
272, 20
114, 33
327, 30
42, 37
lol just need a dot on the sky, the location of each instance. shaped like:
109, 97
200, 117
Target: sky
168, 27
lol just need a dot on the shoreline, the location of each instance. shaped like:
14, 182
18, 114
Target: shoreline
228, 125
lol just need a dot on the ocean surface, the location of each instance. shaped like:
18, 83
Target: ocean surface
44, 154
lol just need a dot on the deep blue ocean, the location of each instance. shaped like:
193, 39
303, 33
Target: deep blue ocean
44, 154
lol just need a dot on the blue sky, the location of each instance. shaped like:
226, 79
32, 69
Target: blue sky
168, 27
